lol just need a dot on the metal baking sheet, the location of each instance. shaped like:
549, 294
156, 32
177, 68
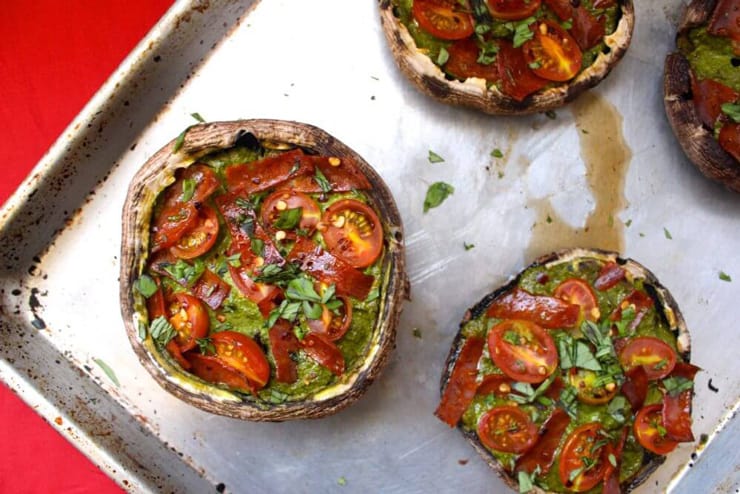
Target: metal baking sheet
606, 171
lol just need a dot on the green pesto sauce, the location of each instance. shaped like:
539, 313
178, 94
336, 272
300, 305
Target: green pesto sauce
240, 314
711, 57
651, 325
502, 29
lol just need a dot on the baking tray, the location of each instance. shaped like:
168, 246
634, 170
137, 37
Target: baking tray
604, 172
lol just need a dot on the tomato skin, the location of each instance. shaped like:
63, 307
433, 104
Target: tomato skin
498, 384
542, 454
513, 10
200, 237
508, 429
609, 276
331, 325
647, 432
214, 370
532, 359
579, 444
463, 62
189, 318
282, 200
353, 232
548, 312
729, 139
640, 302
205, 181
653, 354
324, 352
577, 291
461, 386
553, 54
441, 21
243, 354
517, 79
175, 352
171, 223
582, 380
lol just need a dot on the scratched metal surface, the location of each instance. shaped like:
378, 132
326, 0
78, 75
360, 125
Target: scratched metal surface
246, 59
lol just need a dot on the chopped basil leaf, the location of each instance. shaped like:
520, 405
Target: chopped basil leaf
575, 473
145, 285
724, 276
277, 275
675, 385
575, 353
162, 331
628, 316
617, 407
142, 330
188, 189
436, 195
206, 346
235, 260
732, 110
328, 293
289, 218
245, 223
468, 246
535, 65
434, 157
443, 56
667, 234
567, 24
568, 399
416, 332
108, 371
496, 153
374, 293
302, 289
312, 311
222, 326
183, 272
522, 32
512, 337
526, 481
197, 116
322, 181
180, 140
300, 331
612, 460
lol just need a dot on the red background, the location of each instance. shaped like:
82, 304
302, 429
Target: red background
53, 58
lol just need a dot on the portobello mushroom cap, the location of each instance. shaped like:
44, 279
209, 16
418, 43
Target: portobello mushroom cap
159, 172
474, 92
667, 309
697, 141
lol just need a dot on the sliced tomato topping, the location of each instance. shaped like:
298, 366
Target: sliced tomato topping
609, 276
725, 20
677, 407
635, 387
542, 453
463, 61
268, 172
517, 78
214, 370
498, 384
640, 302
174, 350
211, 289
553, 54
548, 312
155, 304
341, 174
523, 350
171, 223
353, 232
189, 317
442, 21
283, 342
508, 429
729, 139
243, 354
461, 386
513, 10
323, 351
650, 431
578, 292
200, 237
330, 269
333, 325
585, 383
709, 96
287, 210
584, 458
653, 354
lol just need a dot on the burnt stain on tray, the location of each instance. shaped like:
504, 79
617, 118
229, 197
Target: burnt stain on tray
34, 305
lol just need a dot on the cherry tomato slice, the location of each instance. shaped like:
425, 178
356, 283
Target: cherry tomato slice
577, 291
441, 21
214, 370
582, 444
729, 139
553, 54
584, 381
508, 429
460, 389
171, 223
610, 274
189, 318
323, 351
243, 354
650, 431
523, 350
517, 78
655, 355
280, 203
463, 62
333, 326
548, 312
353, 232
542, 454
513, 10
199, 238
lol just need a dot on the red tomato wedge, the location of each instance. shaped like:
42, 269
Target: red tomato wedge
442, 21
709, 96
577, 291
269, 172
677, 407
278, 206
214, 370
200, 237
330, 269
341, 174
461, 385
729, 139
553, 54
324, 352
523, 350
353, 232
517, 79
635, 387
243, 354
194, 184
463, 61
725, 20
653, 354
171, 223
548, 312
211, 289
283, 342
609, 276
330, 325
542, 454
508, 429
513, 10
583, 447
650, 431
189, 318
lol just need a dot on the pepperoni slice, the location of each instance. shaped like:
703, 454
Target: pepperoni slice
268, 172
542, 453
323, 351
548, 312
342, 174
461, 386
610, 274
283, 342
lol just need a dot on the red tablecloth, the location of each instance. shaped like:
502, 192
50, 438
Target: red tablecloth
53, 57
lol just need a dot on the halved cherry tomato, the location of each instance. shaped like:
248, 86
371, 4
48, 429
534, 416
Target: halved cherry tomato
513, 10
353, 232
609, 275
635, 387
323, 351
204, 183
189, 318
214, 370
553, 54
517, 78
650, 432
460, 389
709, 96
243, 354
199, 238
171, 223
441, 21
584, 458
508, 429
283, 342
577, 291
498, 384
548, 312
652, 353
542, 453
584, 380
729, 139
523, 350
463, 62
332, 325
276, 204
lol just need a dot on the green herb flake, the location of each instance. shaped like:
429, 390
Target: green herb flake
732, 110
677, 384
162, 331
188, 189
522, 32
374, 294
302, 289
724, 276
628, 223
235, 260
575, 473
551, 114
180, 140
667, 234
535, 65
341, 481
321, 180
197, 116
206, 346
443, 56
612, 460
496, 153
142, 330
416, 332
526, 481
289, 218
468, 246
108, 371
434, 157
436, 195
145, 285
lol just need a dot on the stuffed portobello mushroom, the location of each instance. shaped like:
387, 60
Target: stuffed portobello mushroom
262, 270
572, 377
507, 56
702, 88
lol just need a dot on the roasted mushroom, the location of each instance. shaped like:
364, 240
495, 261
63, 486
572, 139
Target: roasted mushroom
507, 58
262, 270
